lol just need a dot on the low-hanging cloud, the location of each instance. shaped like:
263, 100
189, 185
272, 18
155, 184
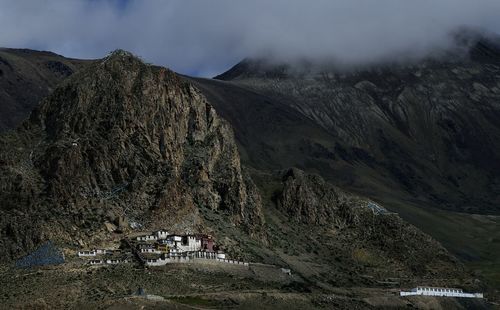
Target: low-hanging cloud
204, 37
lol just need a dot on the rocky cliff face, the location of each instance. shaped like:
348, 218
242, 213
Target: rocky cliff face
120, 138
308, 199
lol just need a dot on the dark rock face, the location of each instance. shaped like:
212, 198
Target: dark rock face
26, 76
59, 68
122, 138
308, 200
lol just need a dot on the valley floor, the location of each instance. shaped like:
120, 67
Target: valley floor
192, 286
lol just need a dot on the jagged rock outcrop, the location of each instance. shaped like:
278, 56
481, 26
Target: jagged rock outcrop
120, 138
308, 199
366, 233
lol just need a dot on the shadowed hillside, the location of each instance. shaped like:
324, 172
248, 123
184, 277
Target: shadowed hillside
422, 139
26, 76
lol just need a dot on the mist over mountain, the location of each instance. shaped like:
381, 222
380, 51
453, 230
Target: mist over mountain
205, 38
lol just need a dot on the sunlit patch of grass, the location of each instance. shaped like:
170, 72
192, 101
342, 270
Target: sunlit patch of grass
195, 301
365, 257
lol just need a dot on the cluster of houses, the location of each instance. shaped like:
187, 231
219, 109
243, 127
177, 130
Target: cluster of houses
162, 242
440, 292
161, 248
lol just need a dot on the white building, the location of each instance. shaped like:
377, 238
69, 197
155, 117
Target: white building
161, 234
166, 241
221, 255
439, 291
189, 244
104, 251
147, 238
207, 255
108, 261
150, 250
95, 252
175, 238
87, 253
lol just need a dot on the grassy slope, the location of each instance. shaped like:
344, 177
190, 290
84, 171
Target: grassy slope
187, 287
475, 239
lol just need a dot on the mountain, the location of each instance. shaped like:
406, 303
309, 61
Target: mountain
422, 139
429, 130
26, 76
123, 141
120, 139
328, 173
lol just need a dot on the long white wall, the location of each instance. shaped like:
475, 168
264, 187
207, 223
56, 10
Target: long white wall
440, 292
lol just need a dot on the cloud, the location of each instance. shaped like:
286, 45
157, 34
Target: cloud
205, 37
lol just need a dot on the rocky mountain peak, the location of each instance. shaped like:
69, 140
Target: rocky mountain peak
125, 138
121, 54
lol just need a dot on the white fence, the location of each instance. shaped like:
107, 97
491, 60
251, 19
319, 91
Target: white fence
164, 261
209, 256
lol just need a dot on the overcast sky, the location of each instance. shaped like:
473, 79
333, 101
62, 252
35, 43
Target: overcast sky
205, 37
